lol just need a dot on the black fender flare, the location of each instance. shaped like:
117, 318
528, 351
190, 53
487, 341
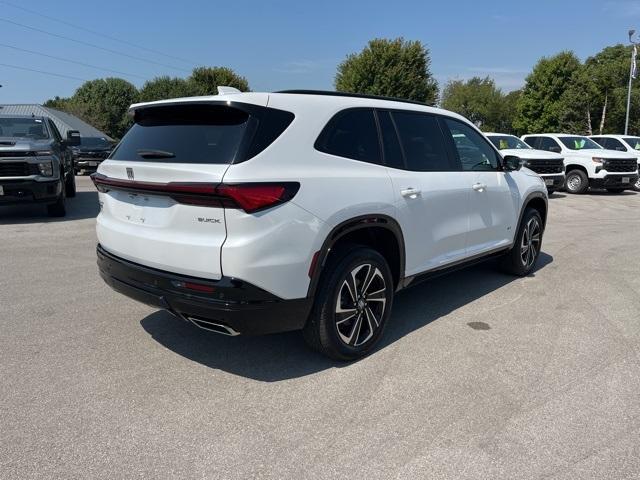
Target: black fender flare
348, 226
525, 204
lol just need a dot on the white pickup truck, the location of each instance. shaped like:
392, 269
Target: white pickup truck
621, 143
549, 165
587, 164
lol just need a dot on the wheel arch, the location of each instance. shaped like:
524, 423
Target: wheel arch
537, 200
357, 229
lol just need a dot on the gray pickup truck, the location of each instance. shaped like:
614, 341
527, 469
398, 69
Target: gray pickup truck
36, 163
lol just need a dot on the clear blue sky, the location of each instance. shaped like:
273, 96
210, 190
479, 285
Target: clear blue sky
294, 44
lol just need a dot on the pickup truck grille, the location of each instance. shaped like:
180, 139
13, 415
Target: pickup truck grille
623, 165
16, 153
17, 169
545, 166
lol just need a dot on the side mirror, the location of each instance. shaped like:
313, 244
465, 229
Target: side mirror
73, 138
555, 149
511, 163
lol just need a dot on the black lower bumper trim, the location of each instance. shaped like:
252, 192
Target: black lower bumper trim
239, 305
558, 181
614, 181
24, 191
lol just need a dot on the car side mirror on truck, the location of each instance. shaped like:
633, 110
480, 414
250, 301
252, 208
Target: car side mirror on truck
73, 138
511, 163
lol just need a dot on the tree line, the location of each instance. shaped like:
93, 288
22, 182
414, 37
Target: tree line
560, 94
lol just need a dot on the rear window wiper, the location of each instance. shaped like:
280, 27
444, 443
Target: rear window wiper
155, 154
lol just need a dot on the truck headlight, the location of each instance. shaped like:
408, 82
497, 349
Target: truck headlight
598, 160
46, 169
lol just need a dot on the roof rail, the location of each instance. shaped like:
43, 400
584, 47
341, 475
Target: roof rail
353, 95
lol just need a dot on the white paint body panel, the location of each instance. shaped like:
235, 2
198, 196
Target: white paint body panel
273, 248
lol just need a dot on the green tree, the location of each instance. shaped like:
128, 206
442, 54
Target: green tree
103, 103
540, 107
509, 111
205, 80
394, 68
161, 88
59, 103
477, 99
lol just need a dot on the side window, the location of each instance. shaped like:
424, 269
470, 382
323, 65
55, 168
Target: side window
549, 144
391, 146
422, 142
601, 141
474, 151
351, 134
54, 130
615, 144
532, 141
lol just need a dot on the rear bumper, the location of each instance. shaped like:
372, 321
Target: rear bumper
232, 303
25, 191
614, 181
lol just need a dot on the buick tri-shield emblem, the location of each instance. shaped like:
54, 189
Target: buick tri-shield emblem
130, 175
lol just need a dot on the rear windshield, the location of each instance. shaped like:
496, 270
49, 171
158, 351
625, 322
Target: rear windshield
32, 128
184, 134
579, 143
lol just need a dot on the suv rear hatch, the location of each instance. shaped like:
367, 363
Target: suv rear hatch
160, 197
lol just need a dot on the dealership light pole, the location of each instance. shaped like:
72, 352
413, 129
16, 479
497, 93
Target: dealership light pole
632, 75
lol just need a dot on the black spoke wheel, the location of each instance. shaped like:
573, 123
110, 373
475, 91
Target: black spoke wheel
522, 257
352, 305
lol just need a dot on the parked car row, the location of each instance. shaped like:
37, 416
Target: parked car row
600, 161
38, 165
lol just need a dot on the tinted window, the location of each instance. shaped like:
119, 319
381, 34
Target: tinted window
634, 142
474, 151
55, 131
548, 144
184, 134
95, 142
422, 142
532, 141
351, 134
578, 143
392, 151
614, 144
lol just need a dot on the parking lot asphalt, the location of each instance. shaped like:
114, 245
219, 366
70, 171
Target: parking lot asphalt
480, 375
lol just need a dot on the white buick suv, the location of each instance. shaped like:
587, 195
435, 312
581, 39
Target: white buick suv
252, 213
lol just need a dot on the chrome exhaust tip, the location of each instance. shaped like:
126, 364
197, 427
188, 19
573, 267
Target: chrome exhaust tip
213, 326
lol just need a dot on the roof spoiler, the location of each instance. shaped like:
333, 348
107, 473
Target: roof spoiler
224, 90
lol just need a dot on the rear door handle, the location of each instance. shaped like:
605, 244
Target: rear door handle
479, 187
410, 192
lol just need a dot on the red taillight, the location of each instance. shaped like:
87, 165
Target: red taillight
250, 197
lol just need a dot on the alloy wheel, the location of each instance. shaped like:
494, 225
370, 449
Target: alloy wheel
360, 305
530, 245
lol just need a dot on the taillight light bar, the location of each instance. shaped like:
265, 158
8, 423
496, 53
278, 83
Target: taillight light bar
250, 197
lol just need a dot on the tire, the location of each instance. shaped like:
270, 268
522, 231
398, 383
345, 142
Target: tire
58, 209
550, 191
636, 186
519, 261
353, 332
70, 186
576, 182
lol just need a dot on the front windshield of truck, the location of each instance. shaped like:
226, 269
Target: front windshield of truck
634, 142
505, 142
31, 128
579, 143
95, 142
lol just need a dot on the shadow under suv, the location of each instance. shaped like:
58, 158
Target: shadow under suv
253, 213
